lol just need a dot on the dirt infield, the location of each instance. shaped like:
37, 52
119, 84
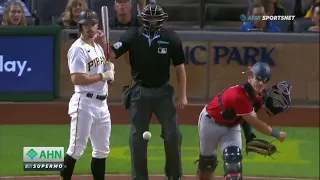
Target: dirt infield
56, 113
127, 177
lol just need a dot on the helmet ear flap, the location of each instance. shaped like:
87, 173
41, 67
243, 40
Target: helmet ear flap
80, 27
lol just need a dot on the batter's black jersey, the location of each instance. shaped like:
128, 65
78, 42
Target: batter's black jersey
150, 58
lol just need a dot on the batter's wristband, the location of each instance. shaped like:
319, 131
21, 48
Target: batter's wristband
275, 133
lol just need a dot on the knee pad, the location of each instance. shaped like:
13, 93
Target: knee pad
206, 166
232, 158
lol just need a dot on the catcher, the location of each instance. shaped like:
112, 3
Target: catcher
220, 120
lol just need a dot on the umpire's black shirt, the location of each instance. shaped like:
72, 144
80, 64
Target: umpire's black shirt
115, 23
150, 58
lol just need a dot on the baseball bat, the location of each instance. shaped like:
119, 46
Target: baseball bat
105, 26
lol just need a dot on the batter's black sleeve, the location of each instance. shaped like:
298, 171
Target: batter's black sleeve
176, 51
124, 43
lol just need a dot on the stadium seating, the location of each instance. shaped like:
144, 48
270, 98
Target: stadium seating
283, 25
97, 4
289, 5
224, 12
301, 25
188, 12
223, 26
183, 14
45, 10
30, 20
28, 3
306, 4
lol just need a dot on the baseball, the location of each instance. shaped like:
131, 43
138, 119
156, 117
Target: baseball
146, 135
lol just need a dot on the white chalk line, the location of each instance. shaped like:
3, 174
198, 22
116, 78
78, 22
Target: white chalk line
157, 175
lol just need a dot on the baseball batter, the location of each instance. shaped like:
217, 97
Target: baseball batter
88, 108
219, 122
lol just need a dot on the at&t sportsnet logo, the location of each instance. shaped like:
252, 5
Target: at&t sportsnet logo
43, 158
266, 17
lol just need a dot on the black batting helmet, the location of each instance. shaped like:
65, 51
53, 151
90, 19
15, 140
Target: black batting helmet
262, 71
88, 16
152, 18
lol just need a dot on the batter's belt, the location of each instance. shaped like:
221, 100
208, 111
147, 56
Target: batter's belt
98, 97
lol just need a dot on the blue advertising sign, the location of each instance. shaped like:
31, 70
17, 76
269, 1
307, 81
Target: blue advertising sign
26, 64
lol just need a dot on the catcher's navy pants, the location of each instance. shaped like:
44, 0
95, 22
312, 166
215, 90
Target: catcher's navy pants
212, 134
160, 101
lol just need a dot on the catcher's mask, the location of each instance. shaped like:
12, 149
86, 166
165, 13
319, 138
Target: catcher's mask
152, 18
277, 99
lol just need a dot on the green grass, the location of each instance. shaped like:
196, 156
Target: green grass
298, 157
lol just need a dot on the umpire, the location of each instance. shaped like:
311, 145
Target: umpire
152, 49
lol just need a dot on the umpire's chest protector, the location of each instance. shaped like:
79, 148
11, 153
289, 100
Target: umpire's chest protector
151, 51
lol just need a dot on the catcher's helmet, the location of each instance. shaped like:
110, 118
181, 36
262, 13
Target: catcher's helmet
152, 18
262, 71
88, 16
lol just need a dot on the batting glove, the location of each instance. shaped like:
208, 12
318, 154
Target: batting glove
109, 65
108, 75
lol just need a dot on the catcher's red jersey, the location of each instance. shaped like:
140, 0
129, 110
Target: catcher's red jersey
235, 97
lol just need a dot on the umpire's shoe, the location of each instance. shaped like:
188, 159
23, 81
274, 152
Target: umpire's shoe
171, 178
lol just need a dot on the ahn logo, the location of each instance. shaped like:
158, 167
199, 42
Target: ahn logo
18, 67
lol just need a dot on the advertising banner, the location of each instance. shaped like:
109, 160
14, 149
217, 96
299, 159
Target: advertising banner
213, 66
26, 64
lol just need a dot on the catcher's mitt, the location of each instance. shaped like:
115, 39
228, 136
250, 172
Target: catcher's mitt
261, 146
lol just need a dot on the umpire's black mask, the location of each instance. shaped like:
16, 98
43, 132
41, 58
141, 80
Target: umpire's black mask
152, 18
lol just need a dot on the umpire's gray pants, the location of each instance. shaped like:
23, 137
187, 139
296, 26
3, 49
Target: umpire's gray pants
212, 134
